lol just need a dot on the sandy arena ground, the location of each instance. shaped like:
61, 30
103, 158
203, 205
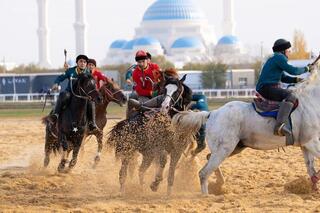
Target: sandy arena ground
256, 181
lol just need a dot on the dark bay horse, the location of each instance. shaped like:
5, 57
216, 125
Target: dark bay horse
152, 136
72, 121
110, 92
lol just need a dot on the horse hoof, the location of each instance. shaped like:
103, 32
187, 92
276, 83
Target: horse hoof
61, 169
154, 186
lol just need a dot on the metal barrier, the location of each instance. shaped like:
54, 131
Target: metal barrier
210, 93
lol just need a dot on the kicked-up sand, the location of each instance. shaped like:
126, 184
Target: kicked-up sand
256, 181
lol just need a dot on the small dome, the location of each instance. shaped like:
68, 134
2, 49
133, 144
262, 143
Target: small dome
228, 39
118, 44
129, 45
145, 41
173, 9
187, 42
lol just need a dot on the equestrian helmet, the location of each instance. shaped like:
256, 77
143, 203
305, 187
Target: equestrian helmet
141, 55
281, 45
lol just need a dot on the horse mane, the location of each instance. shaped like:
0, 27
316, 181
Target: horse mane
171, 72
311, 82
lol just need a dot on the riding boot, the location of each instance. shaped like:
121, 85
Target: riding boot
200, 138
62, 100
132, 108
153, 102
134, 104
92, 117
280, 128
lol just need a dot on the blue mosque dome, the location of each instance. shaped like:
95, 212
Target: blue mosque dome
145, 41
118, 44
187, 42
173, 9
129, 45
228, 39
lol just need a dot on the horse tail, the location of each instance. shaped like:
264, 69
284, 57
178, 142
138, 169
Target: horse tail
190, 121
44, 120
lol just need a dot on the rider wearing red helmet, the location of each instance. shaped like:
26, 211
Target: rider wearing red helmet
143, 76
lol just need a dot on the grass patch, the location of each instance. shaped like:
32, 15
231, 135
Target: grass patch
113, 110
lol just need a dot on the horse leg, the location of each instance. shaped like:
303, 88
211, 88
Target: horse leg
99, 137
64, 154
48, 151
159, 174
175, 156
123, 173
221, 153
132, 164
220, 178
63, 161
145, 164
75, 153
309, 161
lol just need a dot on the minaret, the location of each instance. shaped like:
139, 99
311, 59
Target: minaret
80, 27
43, 34
228, 23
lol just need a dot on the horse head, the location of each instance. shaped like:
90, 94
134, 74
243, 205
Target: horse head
177, 94
85, 88
112, 92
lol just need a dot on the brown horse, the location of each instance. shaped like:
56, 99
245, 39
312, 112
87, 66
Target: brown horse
110, 92
152, 136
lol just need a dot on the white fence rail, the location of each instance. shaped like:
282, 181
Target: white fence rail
210, 93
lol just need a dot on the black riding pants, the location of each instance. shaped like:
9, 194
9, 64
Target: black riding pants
275, 93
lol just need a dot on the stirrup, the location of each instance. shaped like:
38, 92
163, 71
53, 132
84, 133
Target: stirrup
282, 130
93, 128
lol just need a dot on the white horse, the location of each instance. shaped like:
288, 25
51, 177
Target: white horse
236, 125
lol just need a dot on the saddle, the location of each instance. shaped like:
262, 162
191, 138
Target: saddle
269, 108
265, 107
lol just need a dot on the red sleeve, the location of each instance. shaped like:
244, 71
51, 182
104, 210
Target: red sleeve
102, 77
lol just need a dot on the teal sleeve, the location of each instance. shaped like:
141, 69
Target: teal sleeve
129, 74
63, 77
283, 64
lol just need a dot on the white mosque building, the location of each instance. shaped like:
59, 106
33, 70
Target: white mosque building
179, 30
176, 29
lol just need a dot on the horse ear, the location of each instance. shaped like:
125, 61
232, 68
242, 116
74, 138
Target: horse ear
183, 78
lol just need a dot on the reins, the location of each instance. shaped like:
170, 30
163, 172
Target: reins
86, 97
111, 94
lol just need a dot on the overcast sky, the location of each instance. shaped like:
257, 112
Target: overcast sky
257, 21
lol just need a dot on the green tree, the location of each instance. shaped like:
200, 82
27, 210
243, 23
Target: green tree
194, 66
162, 62
214, 75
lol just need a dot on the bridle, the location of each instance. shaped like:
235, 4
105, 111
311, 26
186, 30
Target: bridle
178, 99
87, 94
110, 94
